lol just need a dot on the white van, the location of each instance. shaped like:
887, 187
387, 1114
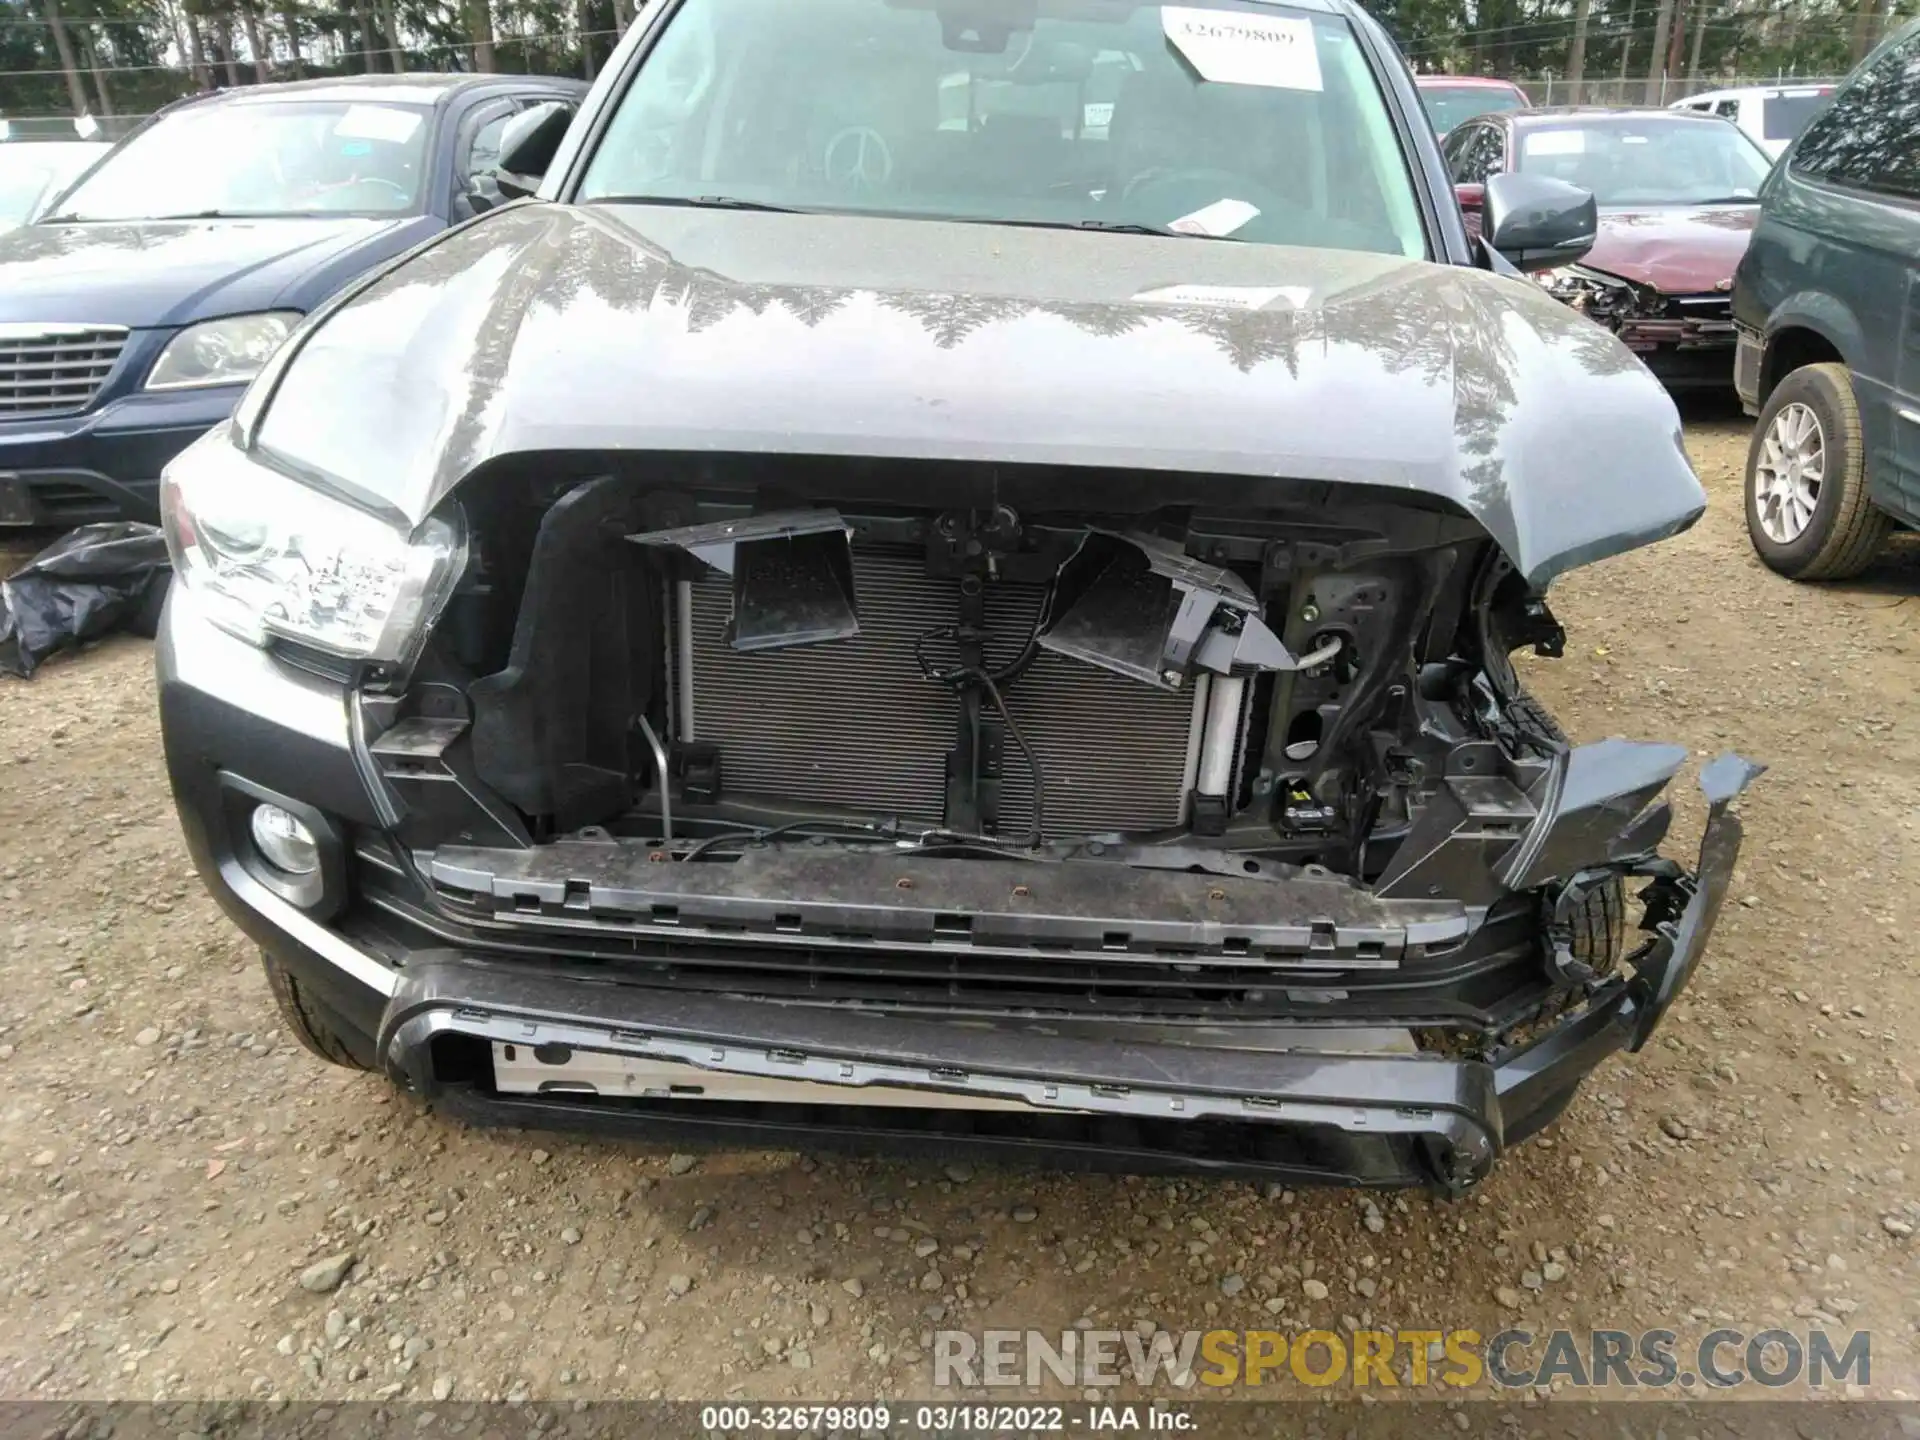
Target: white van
1772, 115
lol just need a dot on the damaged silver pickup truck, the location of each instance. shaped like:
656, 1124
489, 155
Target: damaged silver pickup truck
948, 580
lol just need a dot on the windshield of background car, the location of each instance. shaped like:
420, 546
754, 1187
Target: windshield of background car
33, 173
1783, 117
1258, 122
303, 157
1451, 105
1648, 162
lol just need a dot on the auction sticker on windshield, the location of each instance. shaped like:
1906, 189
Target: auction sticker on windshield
1233, 48
1223, 217
1556, 142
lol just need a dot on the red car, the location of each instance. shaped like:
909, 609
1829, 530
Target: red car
1678, 195
1453, 99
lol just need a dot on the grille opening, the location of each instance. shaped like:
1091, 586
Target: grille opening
1094, 1143
56, 370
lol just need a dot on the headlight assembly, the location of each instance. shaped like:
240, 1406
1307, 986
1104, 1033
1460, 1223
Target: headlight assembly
272, 557
1592, 292
221, 352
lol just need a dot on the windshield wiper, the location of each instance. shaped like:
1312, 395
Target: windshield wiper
72, 219
1104, 227
696, 202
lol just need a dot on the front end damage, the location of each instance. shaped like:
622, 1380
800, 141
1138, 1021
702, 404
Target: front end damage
921, 805
1686, 339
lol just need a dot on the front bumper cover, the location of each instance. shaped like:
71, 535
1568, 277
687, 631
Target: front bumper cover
1373, 1119
104, 463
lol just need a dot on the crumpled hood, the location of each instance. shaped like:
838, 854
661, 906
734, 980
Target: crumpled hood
167, 272
610, 328
1677, 249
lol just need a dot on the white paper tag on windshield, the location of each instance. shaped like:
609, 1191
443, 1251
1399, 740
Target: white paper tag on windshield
1237, 48
377, 122
1223, 217
1228, 297
1094, 114
1555, 142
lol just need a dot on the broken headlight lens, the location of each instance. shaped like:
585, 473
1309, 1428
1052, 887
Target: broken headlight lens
1582, 288
221, 352
272, 557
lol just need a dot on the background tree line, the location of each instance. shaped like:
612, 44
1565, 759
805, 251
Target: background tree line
1640, 49
126, 57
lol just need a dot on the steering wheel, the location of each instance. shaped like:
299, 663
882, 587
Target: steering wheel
394, 185
858, 159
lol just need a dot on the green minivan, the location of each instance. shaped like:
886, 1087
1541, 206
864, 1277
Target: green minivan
1826, 306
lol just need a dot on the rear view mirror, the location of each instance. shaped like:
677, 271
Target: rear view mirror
528, 144
1537, 223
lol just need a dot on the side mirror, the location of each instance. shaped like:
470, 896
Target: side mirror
1536, 222
527, 146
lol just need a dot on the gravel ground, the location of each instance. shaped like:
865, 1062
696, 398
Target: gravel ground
192, 1207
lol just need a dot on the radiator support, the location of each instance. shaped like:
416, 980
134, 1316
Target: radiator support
856, 724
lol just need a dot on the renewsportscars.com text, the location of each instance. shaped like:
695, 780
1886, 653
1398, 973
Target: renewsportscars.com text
1460, 1359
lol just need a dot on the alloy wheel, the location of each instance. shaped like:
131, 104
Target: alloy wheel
1788, 473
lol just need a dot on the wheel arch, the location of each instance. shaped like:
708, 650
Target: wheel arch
1806, 330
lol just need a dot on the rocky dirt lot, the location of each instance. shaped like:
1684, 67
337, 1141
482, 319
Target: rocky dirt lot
192, 1207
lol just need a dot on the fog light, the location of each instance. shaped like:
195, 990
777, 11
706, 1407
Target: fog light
284, 841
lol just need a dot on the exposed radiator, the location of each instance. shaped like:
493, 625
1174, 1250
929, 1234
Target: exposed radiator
854, 722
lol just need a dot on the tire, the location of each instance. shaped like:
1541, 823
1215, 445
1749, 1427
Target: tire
300, 1015
1600, 924
1823, 527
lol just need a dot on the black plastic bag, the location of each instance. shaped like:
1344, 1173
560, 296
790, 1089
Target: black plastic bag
88, 583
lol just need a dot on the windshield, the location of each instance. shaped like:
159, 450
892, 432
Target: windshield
31, 174
1260, 123
1451, 105
305, 157
1783, 117
1646, 161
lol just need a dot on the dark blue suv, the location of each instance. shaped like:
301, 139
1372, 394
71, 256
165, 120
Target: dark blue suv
133, 314
1826, 305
